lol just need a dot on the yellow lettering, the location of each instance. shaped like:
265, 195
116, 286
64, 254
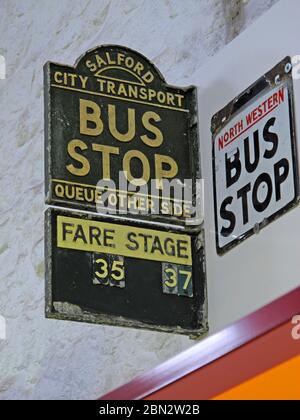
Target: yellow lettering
147, 117
85, 165
90, 65
126, 137
127, 167
148, 77
94, 117
106, 152
57, 77
161, 173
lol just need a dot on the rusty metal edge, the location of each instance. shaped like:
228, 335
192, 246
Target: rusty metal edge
228, 112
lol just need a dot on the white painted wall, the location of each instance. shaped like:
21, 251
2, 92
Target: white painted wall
46, 359
265, 266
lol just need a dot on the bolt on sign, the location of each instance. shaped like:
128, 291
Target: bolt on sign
119, 140
121, 147
254, 158
119, 274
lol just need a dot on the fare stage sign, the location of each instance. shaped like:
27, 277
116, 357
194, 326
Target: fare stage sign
120, 141
117, 274
254, 158
121, 146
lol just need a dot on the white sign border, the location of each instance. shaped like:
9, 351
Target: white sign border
282, 72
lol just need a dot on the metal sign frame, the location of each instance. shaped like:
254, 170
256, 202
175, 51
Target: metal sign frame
282, 72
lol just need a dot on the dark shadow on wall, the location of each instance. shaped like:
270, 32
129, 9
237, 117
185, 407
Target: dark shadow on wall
234, 14
237, 17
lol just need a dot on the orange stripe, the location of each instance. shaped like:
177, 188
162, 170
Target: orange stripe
235, 368
279, 383
242, 351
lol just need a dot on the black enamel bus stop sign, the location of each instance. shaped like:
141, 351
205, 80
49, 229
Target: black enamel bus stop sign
121, 147
117, 136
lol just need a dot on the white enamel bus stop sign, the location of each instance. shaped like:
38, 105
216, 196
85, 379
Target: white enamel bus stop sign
254, 158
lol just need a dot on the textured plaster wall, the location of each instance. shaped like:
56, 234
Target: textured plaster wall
45, 359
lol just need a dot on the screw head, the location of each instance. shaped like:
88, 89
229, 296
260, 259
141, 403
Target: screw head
277, 79
288, 67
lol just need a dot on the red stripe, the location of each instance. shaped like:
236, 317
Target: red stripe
237, 367
211, 349
250, 126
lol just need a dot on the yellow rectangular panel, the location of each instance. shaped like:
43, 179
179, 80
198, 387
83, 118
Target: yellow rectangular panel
101, 237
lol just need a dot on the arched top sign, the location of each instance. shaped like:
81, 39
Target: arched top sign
115, 62
122, 143
112, 119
